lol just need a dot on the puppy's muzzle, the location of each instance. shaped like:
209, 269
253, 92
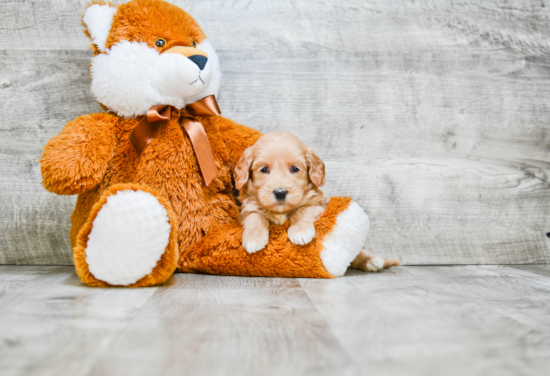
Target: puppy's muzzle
280, 194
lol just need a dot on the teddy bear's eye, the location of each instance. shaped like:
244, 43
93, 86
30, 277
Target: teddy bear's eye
193, 43
160, 42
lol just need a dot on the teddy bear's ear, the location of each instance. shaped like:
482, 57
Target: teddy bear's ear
98, 19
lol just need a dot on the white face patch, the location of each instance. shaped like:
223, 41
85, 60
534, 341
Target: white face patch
131, 77
215, 80
175, 75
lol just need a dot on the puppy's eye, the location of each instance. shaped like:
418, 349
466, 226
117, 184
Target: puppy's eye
193, 43
265, 170
160, 42
294, 169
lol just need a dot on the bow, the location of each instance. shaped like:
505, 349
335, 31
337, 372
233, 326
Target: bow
159, 115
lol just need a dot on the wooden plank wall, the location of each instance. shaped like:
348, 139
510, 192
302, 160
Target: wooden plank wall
433, 115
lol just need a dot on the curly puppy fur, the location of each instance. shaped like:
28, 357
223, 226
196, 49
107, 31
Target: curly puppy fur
279, 179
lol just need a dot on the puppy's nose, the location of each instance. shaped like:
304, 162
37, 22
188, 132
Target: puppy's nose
199, 60
280, 193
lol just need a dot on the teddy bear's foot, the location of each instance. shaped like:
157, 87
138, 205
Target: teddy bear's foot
346, 240
129, 235
340, 235
128, 239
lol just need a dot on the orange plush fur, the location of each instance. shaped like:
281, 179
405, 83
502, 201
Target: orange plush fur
167, 263
145, 20
168, 165
92, 157
222, 251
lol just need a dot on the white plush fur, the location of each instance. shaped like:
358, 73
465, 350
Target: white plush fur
176, 75
121, 79
131, 77
216, 76
129, 236
346, 240
98, 20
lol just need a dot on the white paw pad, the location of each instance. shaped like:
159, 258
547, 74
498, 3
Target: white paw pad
254, 241
375, 264
129, 236
301, 235
254, 246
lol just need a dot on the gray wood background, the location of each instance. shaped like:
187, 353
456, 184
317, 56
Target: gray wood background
433, 115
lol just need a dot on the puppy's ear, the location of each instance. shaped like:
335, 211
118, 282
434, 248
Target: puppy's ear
316, 168
242, 168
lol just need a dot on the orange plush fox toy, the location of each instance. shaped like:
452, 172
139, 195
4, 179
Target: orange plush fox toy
153, 173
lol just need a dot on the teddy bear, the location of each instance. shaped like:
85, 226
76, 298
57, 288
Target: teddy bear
153, 173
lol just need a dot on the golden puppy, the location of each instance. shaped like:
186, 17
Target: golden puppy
279, 179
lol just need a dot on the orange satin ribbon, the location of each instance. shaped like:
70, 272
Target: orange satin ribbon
158, 115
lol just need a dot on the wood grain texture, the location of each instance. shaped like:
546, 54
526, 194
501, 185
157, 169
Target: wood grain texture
414, 321
433, 116
543, 270
211, 325
440, 320
51, 324
40, 91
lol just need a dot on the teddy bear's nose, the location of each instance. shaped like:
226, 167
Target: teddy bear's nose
199, 60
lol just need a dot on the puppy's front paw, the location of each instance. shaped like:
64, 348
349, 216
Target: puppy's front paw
255, 239
301, 234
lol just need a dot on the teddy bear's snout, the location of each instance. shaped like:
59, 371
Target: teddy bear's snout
181, 72
197, 56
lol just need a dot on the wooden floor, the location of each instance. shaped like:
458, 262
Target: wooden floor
437, 320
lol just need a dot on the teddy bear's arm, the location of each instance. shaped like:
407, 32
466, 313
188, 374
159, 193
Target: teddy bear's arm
75, 160
237, 138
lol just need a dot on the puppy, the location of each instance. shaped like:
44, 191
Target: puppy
279, 179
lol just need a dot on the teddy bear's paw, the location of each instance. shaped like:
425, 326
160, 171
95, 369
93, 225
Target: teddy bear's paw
301, 234
129, 236
255, 239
